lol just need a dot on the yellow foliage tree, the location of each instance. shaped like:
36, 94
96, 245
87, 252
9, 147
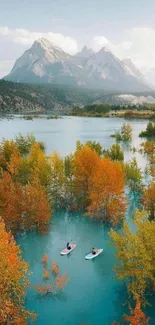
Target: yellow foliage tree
136, 254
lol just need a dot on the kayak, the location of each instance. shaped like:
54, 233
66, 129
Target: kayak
90, 256
66, 251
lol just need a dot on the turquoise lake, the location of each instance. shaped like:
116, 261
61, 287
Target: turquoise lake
93, 295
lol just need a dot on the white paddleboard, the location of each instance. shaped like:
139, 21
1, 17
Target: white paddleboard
66, 251
90, 256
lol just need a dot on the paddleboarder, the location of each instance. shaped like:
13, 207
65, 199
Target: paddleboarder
94, 251
68, 246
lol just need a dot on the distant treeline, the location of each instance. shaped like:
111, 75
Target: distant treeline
131, 111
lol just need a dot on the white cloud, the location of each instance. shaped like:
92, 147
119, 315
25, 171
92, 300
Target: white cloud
5, 67
26, 37
137, 44
100, 41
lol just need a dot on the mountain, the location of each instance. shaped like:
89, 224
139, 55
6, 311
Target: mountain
110, 72
133, 69
150, 76
85, 52
46, 63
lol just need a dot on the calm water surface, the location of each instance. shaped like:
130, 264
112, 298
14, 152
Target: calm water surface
93, 295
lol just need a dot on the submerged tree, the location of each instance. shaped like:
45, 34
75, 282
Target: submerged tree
57, 179
59, 281
92, 145
126, 132
24, 208
115, 152
106, 194
148, 199
137, 316
136, 254
86, 162
11, 203
133, 176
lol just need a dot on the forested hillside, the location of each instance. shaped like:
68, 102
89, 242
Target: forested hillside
17, 97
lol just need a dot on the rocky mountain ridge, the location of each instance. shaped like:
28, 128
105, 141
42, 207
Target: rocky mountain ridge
46, 63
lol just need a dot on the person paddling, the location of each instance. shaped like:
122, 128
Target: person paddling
68, 246
94, 251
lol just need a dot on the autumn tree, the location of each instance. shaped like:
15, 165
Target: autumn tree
55, 268
44, 259
115, 152
106, 192
148, 199
59, 280
41, 164
13, 282
46, 275
24, 208
133, 176
11, 203
24, 143
21, 168
148, 147
150, 130
126, 132
36, 207
7, 148
137, 316
57, 179
92, 145
136, 255
69, 198
86, 162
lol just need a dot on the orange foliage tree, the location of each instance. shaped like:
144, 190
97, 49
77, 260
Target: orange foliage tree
46, 275
36, 207
61, 281
44, 259
13, 281
86, 161
106, 193
10, 202
21, 168
55, 268
23, 208
137, 316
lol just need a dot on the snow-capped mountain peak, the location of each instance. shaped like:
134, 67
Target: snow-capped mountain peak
46, 44
133, 69
85, 52
46, 63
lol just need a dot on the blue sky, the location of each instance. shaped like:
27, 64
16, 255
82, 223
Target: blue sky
126, 27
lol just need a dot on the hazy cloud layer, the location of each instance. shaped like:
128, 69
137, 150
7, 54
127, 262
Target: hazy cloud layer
136, 43
26, 37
